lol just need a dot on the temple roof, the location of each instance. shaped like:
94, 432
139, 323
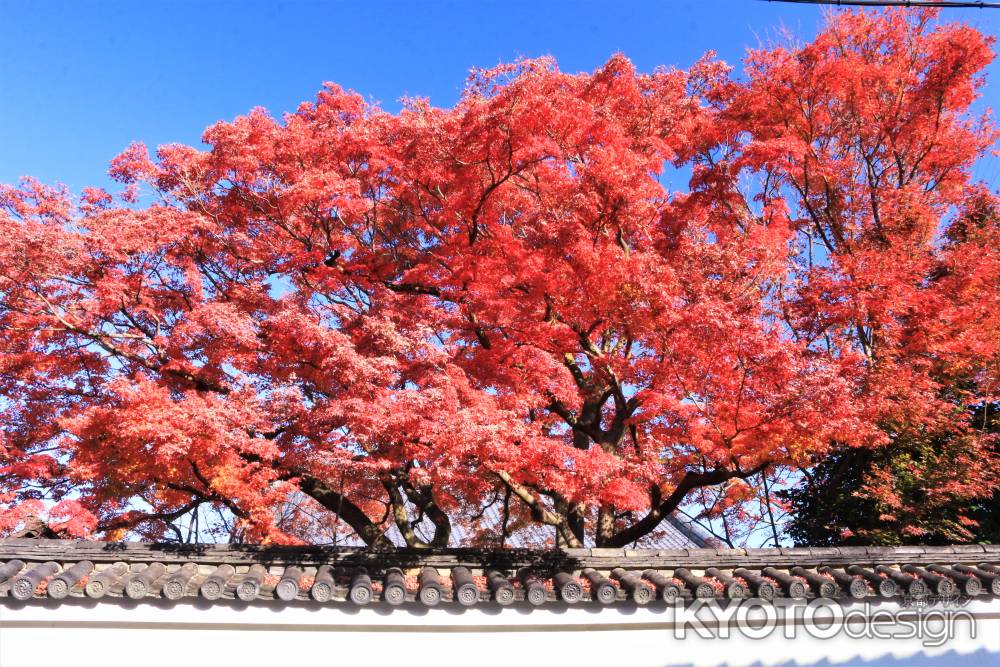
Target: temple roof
675, 532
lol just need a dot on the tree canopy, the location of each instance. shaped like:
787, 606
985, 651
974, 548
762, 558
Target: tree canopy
839, 500
379, 318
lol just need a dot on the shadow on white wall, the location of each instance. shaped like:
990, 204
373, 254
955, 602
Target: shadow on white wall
980, 658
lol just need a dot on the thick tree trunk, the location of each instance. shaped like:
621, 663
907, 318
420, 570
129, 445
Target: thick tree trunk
423, 497
605, 526
372, 534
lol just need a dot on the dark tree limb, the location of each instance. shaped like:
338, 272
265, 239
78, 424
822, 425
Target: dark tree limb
664, 507
132, 519
369, 531
423, 497
539, 512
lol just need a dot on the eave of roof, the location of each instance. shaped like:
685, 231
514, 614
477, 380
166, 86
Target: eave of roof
68, 568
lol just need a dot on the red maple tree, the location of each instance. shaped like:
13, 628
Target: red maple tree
387, 318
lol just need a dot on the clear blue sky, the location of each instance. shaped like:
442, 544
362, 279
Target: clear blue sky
81, 80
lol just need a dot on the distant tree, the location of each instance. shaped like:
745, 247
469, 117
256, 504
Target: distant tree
841, 499
384, 319
930, 481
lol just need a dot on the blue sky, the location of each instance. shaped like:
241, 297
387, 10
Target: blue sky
81, 80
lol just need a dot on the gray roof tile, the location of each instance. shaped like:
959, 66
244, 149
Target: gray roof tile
60, 569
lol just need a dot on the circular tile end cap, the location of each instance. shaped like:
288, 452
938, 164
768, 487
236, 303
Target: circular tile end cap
642, 594
571, 592
211, 589
136, 589
606, 593
23, 588
247, 591
58, 588
360, 595
286, 590
394, 595
859, 589
174, 589
467, 595
536, 595
430, 595
505, 595
95, 588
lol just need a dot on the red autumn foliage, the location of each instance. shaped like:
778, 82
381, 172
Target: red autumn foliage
396, 316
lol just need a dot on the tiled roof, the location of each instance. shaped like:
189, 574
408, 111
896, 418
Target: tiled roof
675, 533
59, 569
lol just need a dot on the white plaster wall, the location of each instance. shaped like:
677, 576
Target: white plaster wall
111, 633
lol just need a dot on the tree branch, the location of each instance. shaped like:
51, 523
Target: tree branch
660, 510
369, 531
